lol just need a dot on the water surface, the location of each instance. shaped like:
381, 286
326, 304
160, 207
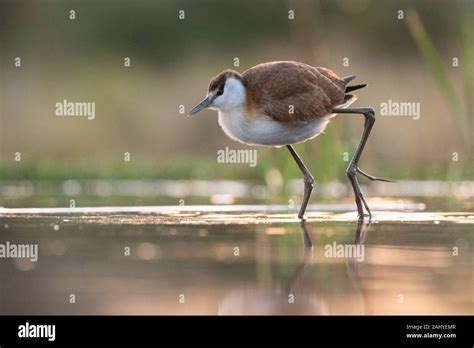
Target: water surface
217, 262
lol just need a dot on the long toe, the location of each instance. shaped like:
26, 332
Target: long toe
373, 178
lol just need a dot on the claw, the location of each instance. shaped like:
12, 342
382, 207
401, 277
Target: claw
373, 178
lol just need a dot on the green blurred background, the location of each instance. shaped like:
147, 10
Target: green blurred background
172, 59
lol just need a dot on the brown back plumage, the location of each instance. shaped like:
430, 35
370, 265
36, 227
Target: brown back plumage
292, 91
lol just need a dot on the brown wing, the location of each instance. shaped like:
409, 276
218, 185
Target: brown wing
292, 91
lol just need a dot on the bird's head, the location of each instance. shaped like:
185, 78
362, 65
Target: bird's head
226, 91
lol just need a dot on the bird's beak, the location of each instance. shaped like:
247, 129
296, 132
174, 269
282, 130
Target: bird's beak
205, 103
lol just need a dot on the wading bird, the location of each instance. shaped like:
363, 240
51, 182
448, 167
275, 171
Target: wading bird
284, 103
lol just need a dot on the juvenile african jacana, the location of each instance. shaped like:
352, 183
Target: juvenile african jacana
284, 103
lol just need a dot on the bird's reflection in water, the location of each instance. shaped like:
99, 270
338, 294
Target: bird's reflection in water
291, 299
363, 228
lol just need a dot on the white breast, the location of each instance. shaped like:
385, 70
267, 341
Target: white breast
259, 129
263, 130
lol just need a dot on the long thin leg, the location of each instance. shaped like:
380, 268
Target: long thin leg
308, 181
353, 168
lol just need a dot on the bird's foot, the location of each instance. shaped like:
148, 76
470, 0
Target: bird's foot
371, 177
364, 215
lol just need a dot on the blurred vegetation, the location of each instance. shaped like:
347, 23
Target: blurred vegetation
186, 168
172, 61
436, 68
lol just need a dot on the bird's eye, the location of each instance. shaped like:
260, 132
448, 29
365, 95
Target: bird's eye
220, 92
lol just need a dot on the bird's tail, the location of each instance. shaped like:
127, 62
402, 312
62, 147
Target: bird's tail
348, 100
353, 88
348, 79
